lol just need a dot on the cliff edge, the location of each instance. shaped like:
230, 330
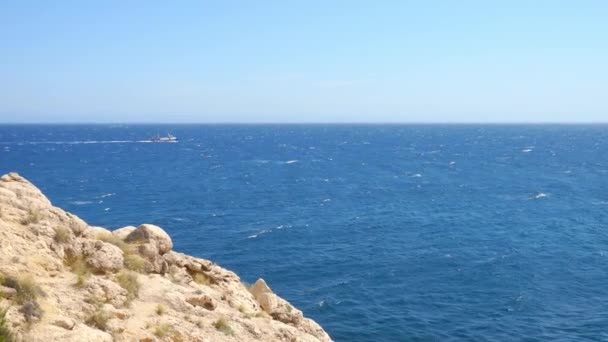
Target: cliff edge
63, 280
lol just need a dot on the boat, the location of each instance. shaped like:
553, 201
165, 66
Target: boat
168, 138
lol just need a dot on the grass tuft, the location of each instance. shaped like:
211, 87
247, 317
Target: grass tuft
98, 319
79, 267
33, 216
223, 326
128, 281
202, 279
260, 314
162, 330
135, 263
62, 234
27, 289
116, 241
160, 309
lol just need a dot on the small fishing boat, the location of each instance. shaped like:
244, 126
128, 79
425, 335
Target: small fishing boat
168, 138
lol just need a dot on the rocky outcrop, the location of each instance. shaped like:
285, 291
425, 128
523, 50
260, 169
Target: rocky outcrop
152, 235
62, 280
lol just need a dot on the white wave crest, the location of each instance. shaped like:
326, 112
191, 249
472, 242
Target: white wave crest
81, 202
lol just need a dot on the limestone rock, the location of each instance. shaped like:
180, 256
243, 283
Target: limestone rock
123, 232
95, 232
7, 292
260, 287
105, 290
64, 322
104, 257
202, 301
277, 307
149, 233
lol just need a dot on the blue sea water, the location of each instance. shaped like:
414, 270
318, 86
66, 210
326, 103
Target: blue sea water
378, 232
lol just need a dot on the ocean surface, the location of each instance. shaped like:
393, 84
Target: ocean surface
378, 232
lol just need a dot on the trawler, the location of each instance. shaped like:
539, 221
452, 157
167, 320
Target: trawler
168, 138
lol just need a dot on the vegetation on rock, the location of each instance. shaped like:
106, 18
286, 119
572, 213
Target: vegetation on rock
128, 281
222, 325
62, 234
5, 334
32, 217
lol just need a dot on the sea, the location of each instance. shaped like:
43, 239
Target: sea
377, 232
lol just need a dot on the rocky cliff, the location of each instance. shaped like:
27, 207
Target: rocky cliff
63, 280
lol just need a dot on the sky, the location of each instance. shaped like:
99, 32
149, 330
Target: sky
304, 61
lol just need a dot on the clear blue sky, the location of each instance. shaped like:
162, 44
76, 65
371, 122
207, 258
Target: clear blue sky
304, 61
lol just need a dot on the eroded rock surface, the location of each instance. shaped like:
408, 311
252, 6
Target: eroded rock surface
62, 280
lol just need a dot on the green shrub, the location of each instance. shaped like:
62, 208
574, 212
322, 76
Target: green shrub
5, 334
128, 281
62, 234
223, 326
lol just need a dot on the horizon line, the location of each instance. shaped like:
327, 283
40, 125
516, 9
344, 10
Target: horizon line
314, 123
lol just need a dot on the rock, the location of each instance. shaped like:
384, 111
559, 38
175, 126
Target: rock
152, 242
105, 290
179, 274
12, 177
260, 287
7, 292
274, 305
104, 257
64, 322
176, 301
84, 333
123, 232
149, 233
76, 224
202, 301
95, 232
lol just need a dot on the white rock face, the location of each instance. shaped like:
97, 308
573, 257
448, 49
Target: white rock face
81, 289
